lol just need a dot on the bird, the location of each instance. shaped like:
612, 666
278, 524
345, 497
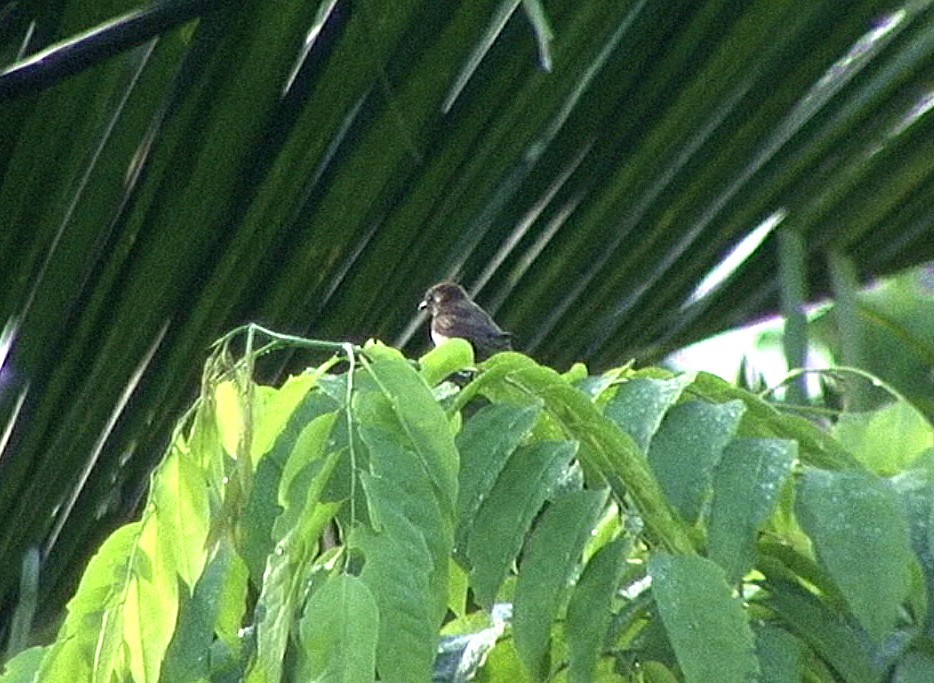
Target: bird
455, 314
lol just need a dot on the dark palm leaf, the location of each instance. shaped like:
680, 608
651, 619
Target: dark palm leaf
316, 167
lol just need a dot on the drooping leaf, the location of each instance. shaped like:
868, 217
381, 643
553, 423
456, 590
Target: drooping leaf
215, 609
305, 472
552, 554
707, 626
604, 446
262, 507
915, 490
150, 606
338, 632
915, 667
847, 649
395, 571
180, 494
287, 569
687, 448
81, 636
499, 528
485, 443
295, 536
590, 609
762, 419
780, 654
849, 515
746, 486
404, 506
274, 410
411, 507
422, 419
640, 404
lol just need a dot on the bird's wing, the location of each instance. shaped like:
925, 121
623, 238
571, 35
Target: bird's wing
471, 322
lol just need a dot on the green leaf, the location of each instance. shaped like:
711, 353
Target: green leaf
590, 609
885, 440
915, 490
503, 664
656, 672
262, 507
133, 623
847, 649
287, 570
404, 505
914, 667
853, 515
452, 356
640, 403
746, 486
815, 445
706, 624
274, 409
180, 494
498, 530
215, 609
338, 633
552, 555
81, 640
485, 443
422, 419
149, 607
687, 448
458, 587
305, 472
296, 535
604, 446
780, 654
24, 667
406, 554
396, 572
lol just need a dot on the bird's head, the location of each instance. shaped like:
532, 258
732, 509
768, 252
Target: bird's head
441, 294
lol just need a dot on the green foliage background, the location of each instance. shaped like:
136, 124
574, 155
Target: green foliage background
631, 526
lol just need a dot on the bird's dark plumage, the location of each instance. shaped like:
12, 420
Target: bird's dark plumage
454, 314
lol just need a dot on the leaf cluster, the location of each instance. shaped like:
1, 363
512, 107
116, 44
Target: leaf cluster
392, 520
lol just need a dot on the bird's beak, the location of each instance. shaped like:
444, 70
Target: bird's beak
423, 305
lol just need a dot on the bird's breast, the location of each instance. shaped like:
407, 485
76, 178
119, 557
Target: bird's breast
438, 338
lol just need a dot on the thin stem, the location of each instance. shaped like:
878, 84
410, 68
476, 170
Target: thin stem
351, 360
280, 340
837, 370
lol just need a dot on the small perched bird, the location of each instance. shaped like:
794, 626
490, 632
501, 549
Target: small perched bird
454, 314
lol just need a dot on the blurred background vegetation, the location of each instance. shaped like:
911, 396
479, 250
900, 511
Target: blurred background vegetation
586, 169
